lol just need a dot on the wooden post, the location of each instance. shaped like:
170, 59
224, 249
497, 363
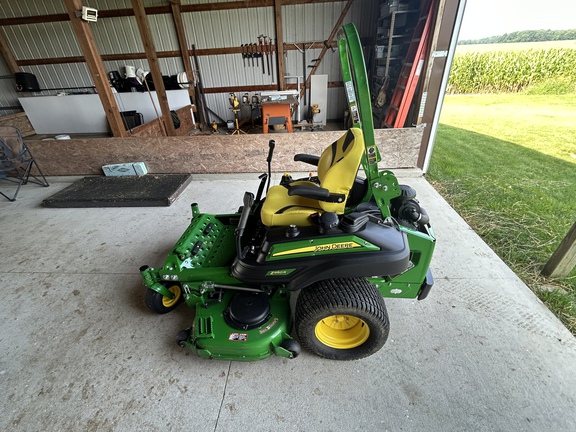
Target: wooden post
279, 45
177, 16
563, 260
7, 54
152, 58
96, 68
326, 45
446, 18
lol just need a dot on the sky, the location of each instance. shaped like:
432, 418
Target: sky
483, 18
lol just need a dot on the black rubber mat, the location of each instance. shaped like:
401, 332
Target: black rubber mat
151, 190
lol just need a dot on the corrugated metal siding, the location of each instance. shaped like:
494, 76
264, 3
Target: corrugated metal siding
42, 40
7, 89
210, 29
228, 28
24, 8
117, 35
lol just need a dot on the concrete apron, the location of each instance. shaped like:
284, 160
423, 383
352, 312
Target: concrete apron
80, 350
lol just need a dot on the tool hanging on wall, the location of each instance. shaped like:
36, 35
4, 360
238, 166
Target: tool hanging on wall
304, 68
312, 66
330, 47
243, 55
252, 53
303, 52
248, 54
261, 53
267, 43
272, 59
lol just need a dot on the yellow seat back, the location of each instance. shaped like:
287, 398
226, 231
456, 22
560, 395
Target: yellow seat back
338, 166
337, 169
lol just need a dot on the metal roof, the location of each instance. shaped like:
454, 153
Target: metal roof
209, 29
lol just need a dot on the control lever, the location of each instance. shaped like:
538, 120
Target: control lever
262, 178
271, 145
248, 202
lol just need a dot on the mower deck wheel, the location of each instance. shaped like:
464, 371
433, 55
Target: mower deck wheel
342, 319
292, 346
161, 304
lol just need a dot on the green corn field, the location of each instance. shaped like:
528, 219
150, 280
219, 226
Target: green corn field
510, 71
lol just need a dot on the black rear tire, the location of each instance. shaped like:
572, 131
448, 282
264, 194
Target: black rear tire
342, 319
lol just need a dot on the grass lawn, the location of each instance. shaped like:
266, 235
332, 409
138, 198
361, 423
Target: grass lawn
507, 164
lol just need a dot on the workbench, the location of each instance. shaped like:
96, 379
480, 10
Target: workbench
276, 112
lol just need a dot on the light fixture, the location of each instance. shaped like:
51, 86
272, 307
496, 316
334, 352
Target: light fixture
89, 14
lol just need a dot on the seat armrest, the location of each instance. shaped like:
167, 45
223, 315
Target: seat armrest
314, 192
309, 159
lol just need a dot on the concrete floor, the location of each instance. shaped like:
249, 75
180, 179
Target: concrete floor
81, 352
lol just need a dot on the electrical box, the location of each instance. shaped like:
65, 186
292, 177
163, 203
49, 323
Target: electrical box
89, 14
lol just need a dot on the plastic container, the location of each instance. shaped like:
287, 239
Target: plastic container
129, 71
183, 80
26, 82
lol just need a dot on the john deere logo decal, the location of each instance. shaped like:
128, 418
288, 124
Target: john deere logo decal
335, 246
329, 247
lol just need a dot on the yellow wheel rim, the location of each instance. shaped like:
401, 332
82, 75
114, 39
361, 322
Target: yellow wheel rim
169, 302
342, 331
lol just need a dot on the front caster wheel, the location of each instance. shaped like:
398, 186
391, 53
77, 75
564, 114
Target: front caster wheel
161, 304
342, 319
292, 346
183, 337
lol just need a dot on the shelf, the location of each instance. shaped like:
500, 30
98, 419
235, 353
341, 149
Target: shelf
397, 6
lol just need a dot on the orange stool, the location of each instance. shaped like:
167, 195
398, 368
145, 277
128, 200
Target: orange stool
274, 113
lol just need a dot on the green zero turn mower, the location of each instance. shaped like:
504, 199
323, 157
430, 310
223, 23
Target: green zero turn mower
343, 240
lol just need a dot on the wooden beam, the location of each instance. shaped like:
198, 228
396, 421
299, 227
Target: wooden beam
563, 260
259, 88
422, 95
152, 58
183, 43
240, 89
96, 68
7, 54
161, 54
36, 19
213, 6
279, 44
446, 18
328, 43
105, 57
155, 10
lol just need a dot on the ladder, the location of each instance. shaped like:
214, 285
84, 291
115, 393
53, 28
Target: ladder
403, 94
